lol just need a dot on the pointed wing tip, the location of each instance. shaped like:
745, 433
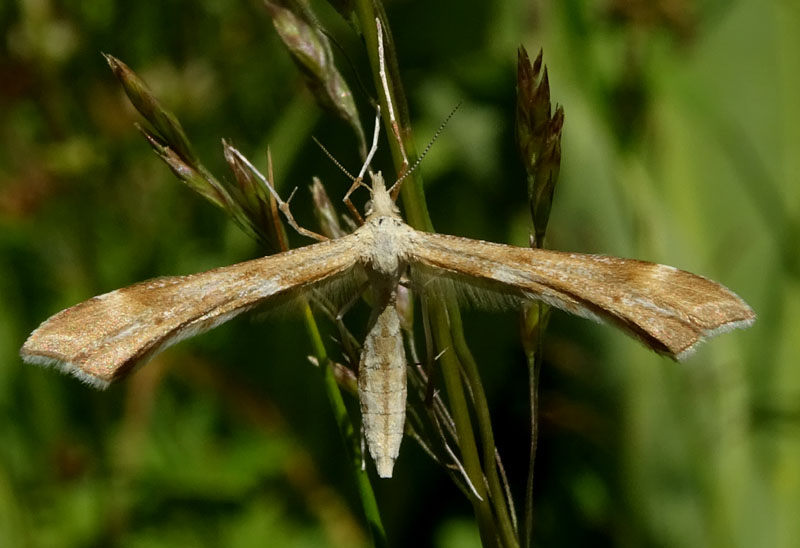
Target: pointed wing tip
743, 323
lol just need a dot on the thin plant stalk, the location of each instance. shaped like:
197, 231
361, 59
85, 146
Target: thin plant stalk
481, 405
451, 374
534, 359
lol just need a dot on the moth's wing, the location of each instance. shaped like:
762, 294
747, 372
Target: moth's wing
101, 339
670, 310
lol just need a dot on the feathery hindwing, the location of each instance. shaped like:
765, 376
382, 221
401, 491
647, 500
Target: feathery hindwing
670, 310
103, 338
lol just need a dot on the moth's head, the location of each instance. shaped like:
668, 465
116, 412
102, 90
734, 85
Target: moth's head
381, 203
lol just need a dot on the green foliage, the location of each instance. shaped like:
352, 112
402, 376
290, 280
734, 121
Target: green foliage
679, 146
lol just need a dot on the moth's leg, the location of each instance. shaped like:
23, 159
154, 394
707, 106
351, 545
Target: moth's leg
283, 206
359, 181
430, 360
419, 372
421, 286
353, 210
424, 369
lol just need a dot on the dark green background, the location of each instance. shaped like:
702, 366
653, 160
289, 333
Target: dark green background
680, 146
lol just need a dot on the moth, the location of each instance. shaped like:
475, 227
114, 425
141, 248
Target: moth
671, 311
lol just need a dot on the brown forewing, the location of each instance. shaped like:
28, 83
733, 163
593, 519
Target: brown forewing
670, 310
101, 339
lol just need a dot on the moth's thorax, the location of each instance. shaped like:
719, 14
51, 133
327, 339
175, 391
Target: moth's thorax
388, 249
386, 236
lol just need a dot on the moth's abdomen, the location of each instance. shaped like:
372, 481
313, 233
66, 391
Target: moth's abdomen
382, 389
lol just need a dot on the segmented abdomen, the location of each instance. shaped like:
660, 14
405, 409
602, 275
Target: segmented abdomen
382, 389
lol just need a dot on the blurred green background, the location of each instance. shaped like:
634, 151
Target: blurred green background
680, 146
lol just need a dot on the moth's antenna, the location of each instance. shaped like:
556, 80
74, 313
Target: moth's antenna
395, 188
332, 159
372, 151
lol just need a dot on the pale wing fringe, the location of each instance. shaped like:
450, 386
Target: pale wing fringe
103, 338
670, 310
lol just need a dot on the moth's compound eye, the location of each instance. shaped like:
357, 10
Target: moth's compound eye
368, 207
